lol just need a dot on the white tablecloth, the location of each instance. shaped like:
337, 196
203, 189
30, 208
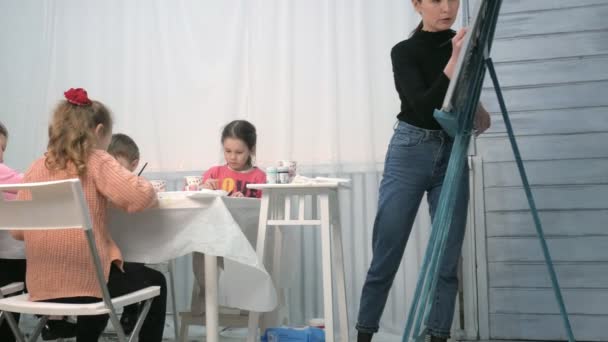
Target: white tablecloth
213, 225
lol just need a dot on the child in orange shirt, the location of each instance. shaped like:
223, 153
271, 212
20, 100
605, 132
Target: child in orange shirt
59, 265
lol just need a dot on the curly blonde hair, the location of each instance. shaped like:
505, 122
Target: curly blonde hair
72, 134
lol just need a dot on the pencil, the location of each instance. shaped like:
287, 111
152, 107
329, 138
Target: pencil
142, 169
445, 43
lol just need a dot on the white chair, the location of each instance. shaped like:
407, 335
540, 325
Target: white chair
61, 205
5, 291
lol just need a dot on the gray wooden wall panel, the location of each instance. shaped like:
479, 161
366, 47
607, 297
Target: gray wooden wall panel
576, 95
518, 6
546, 327
552, 61
545, 147
563, 249
572, 275
546, 47
541, 301
591, 119
555, 223
559, 197
575, 69
548, 172
554, 21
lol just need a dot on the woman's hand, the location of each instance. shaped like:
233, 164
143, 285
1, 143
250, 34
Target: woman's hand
482, 120
211, 184
237, 194
457, 43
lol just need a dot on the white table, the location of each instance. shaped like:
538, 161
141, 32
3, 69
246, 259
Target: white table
279, 202
186, 222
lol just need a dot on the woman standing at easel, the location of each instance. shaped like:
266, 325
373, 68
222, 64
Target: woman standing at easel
416, 162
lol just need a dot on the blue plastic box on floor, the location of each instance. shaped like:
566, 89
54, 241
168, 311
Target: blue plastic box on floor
285, 334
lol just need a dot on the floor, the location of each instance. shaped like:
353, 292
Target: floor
196, 334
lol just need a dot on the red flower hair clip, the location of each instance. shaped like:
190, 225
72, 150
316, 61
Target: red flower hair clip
77, 96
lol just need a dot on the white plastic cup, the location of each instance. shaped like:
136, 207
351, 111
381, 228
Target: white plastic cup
283, 175
159, 185
291, 166
193, 183
272, 175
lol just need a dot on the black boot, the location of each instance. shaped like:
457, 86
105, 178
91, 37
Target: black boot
364, 337
129, 317
431, 338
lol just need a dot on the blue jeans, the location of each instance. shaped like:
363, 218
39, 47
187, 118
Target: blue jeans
416, 163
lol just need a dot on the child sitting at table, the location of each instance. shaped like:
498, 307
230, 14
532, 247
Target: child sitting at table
59, 265
238, 141
7, 175
124, 150
12, 259
13, 269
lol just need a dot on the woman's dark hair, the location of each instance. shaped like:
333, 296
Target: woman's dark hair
244, 131
420, 25
417, 29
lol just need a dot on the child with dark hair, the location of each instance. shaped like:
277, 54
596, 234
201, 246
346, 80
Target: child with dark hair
124, 150
239, 139
13, 270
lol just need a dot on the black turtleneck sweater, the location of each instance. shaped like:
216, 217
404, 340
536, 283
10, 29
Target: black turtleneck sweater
418, 64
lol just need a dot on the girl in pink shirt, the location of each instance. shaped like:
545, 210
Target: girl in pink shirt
238, 140
13, 270
7, 175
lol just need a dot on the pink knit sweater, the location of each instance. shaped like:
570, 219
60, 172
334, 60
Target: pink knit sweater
59, 263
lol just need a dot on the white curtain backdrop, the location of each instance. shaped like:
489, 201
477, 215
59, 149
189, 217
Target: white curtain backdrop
314, 76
